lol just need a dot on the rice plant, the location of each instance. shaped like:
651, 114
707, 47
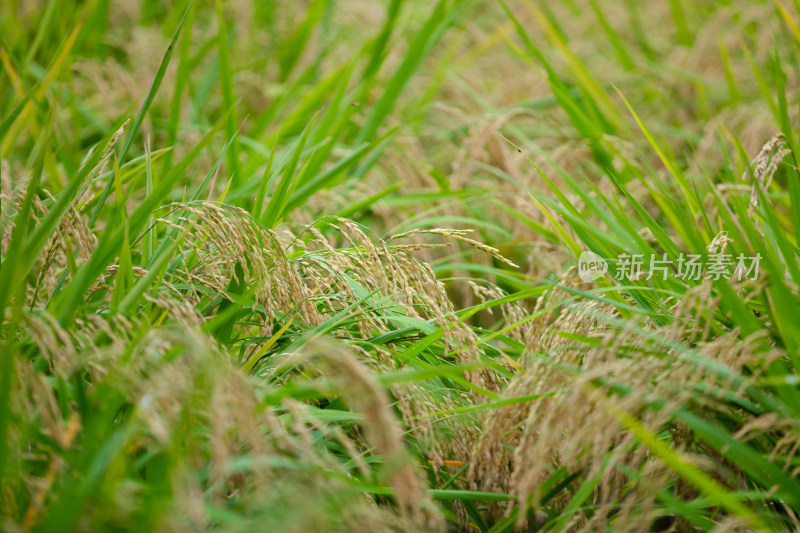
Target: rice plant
399, 266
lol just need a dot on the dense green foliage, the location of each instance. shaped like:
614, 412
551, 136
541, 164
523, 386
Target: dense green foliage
315, 266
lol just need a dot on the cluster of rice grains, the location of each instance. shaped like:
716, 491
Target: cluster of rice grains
361, 286
584, 367
72, 234
197, 383
196, 412
356, 289
349, 286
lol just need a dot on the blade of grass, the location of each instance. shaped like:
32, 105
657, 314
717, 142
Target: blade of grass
137, 123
